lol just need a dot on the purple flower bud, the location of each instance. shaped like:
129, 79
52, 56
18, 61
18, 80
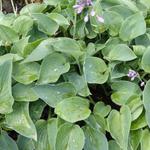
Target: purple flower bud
132, 74
100, 19
86, 18
92, 13
142, 83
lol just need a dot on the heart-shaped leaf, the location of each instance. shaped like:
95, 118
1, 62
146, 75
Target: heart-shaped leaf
6, 98
132, 27
73, 109
119, 126
45, 24
70, 137
95, 70
79, 83
20, 121
53, 94
26, 73
51, 69
146, 95
6, 142
46, 133
23, 92
94, 140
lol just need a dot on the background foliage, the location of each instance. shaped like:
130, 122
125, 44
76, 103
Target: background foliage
73, 80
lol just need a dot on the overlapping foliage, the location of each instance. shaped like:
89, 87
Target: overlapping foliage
76, 80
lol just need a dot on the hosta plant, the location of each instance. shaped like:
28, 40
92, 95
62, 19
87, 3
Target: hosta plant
74, 75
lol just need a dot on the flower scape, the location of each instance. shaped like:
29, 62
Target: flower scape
75, 75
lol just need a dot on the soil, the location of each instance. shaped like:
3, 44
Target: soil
7, 6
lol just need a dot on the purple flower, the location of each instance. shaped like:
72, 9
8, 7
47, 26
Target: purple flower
78, 8
132, 74
100, 19
88, 2
81, 4
86, 18
92, 13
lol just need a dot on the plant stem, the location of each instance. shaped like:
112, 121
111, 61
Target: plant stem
13, 6
91, 100
78, 63
1, 5
26, 2
75, 21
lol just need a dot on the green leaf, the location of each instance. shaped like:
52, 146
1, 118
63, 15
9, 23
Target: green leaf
20, 121
143, 40
7, 34
39, 52
110, 44
113, 145
70, 137
94, 140
80, 29
135, 139
146, 95
65, 45
121, 52
122, 10
51, 69
118, 69
25, 143
46, 133
36, 34
23, 24
68, 46
45, 24
23, 92
145, 3
73, 109
52, 2
124, 91
32, 8
119, 126
31, 46
139, 50
36, 108
79, 83
95, 70
6, 99
130, 4
132, 27
6, 142
113, 22
26, 73
101, 109
101, 121
91, 121
6, 20
145, 60
60, 19
139, 123
145, 144
53, 94
136, 106
19, 46
14, 57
